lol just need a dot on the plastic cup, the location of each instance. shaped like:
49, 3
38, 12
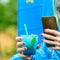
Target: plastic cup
31, 42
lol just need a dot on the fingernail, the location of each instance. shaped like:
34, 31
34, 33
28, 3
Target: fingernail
41, 34
20, 38
44, 30
25, 48
23, 43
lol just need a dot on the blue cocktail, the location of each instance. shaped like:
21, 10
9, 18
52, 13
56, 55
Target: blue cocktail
31, 42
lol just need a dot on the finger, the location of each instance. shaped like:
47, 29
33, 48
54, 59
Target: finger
54, 32
21, 49
38, 46
19, 44
50, 37
18, 39
52, 42
55, 48
25, 57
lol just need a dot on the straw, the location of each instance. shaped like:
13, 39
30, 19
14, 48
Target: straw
25, 27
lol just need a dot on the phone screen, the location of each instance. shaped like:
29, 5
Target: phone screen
49, 23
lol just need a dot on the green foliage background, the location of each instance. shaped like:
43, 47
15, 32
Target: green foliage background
8, 15
8, 26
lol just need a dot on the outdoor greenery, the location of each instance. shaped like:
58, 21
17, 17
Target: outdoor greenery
8, 14
8, 26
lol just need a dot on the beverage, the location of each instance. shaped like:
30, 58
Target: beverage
31, 42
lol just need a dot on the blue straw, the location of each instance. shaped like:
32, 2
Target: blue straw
25, 27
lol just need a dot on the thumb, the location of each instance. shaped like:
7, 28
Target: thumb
38, 46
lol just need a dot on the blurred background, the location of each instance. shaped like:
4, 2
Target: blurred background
8, 28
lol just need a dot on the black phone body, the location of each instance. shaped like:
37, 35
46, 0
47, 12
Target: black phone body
49, 22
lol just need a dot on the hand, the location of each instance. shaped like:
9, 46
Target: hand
48, 34
20, 50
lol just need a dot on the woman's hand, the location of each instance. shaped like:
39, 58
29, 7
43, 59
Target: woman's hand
20, 49
52, 35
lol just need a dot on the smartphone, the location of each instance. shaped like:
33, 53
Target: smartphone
49, 22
